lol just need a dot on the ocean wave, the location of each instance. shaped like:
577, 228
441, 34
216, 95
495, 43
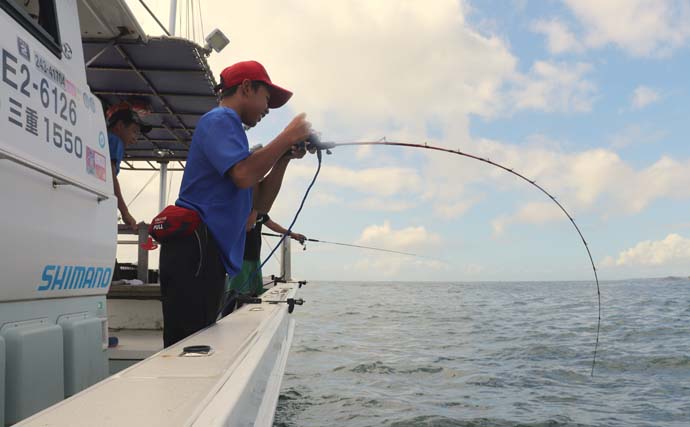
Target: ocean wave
643, 363
307, 349
422, 369
377, 367
439, 421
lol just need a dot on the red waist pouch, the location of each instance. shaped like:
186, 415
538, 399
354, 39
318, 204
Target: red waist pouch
173, 222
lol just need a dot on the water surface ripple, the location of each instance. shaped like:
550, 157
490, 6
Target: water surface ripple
489, 354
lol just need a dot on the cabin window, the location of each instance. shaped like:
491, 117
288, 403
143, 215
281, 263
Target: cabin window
39, 17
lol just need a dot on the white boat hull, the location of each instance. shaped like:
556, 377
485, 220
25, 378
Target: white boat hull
237, 384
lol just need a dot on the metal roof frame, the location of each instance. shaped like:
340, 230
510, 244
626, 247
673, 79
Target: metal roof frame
170, 75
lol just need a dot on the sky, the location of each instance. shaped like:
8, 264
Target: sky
588, 98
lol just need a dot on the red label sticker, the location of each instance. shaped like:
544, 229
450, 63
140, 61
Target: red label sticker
95, 164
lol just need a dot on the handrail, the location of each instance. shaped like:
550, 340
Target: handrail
58, 179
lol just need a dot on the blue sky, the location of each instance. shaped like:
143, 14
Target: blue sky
588, 98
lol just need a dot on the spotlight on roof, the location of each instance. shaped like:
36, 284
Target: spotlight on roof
216, 40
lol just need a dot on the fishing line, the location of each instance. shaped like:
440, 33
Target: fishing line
153, 175
328, 145
357, 246
267, 244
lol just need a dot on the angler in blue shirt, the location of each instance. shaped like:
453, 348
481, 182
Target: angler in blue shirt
217, 185
124, 126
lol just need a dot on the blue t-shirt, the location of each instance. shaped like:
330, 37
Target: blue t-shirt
117, 150
219, 142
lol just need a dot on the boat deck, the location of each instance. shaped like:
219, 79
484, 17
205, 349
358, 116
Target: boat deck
237, 383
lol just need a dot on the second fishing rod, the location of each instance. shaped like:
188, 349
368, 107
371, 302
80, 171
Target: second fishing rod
350, 245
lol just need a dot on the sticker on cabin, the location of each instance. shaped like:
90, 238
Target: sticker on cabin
23, 48
67, 50
70, 88
95, 163
49, 70
89, 102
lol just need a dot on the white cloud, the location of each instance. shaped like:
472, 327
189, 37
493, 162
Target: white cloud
383, 205
385, 181
643, 96
555, 87
365, 59
635, 134
452, 209
673, 249
386, 62
363, 152
410, 239
406, 239
325, 199
608, 261
559, 38
592, 181
640, 27
381, 267
599, 180
530, 213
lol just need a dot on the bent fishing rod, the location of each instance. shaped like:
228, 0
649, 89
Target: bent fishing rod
349, 245
315, 143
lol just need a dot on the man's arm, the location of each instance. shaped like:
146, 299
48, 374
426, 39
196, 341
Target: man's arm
251, 170
280, 229
266, 191
127, 218
250, 221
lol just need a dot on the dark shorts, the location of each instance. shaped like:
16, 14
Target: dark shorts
192, 280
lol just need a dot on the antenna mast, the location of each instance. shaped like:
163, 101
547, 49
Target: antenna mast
173, 17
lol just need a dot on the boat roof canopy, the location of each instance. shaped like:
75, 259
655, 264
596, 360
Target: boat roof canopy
168, 77
107, 19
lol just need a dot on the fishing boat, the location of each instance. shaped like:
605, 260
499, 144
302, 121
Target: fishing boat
76, 348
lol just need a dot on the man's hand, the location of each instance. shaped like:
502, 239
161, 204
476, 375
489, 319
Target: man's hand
128, 219
298, 130
296, 152
299, 237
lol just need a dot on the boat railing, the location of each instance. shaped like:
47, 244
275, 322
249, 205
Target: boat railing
142, 234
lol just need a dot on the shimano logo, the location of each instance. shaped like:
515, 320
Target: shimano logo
66, 277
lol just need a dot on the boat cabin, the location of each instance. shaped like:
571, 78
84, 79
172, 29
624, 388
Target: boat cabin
76, 348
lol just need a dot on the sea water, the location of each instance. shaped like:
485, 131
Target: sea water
489, 354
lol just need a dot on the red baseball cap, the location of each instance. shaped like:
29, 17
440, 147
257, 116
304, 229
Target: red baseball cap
128, 113
252, 70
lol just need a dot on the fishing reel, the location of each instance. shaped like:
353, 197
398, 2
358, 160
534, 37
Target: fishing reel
313, 143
